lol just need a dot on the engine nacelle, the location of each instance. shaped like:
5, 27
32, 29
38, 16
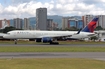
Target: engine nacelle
46, 39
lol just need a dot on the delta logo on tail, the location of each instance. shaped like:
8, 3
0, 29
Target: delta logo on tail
91, 25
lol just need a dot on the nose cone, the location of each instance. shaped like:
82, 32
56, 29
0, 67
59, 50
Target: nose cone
1, 35
5, 36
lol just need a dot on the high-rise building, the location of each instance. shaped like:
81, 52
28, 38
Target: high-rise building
41, 18
65, 22
18, 23
80, 23
54, 25
68, 22
101, 21
49, 24
26, 24
74, 22
86, 19
71, 23
4, 23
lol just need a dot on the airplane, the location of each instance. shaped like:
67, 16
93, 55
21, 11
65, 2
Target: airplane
48, 36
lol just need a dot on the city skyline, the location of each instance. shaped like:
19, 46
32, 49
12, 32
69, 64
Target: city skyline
10, 9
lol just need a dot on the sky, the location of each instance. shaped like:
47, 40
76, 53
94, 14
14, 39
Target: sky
10, 9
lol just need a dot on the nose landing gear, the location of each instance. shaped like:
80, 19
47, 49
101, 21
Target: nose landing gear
15, 41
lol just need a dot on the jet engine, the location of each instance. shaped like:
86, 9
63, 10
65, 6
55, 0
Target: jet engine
44, 40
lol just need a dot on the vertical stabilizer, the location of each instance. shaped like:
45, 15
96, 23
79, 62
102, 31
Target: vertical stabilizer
91, 25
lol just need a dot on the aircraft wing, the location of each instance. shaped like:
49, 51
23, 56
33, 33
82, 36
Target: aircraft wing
53, 36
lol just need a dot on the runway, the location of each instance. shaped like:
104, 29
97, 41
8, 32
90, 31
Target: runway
92, 55
88, 45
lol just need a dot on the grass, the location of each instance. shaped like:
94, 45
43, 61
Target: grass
51, 63
50, 49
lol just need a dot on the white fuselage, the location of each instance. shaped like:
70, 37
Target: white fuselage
36, 34
28, 34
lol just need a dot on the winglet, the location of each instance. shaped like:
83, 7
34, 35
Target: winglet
79, 30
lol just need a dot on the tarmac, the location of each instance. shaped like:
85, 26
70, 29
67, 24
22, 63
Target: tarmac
92, 55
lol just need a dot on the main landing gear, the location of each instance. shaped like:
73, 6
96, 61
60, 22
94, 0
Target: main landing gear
55, 43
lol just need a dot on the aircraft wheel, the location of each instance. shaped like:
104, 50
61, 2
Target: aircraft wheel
55, 43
